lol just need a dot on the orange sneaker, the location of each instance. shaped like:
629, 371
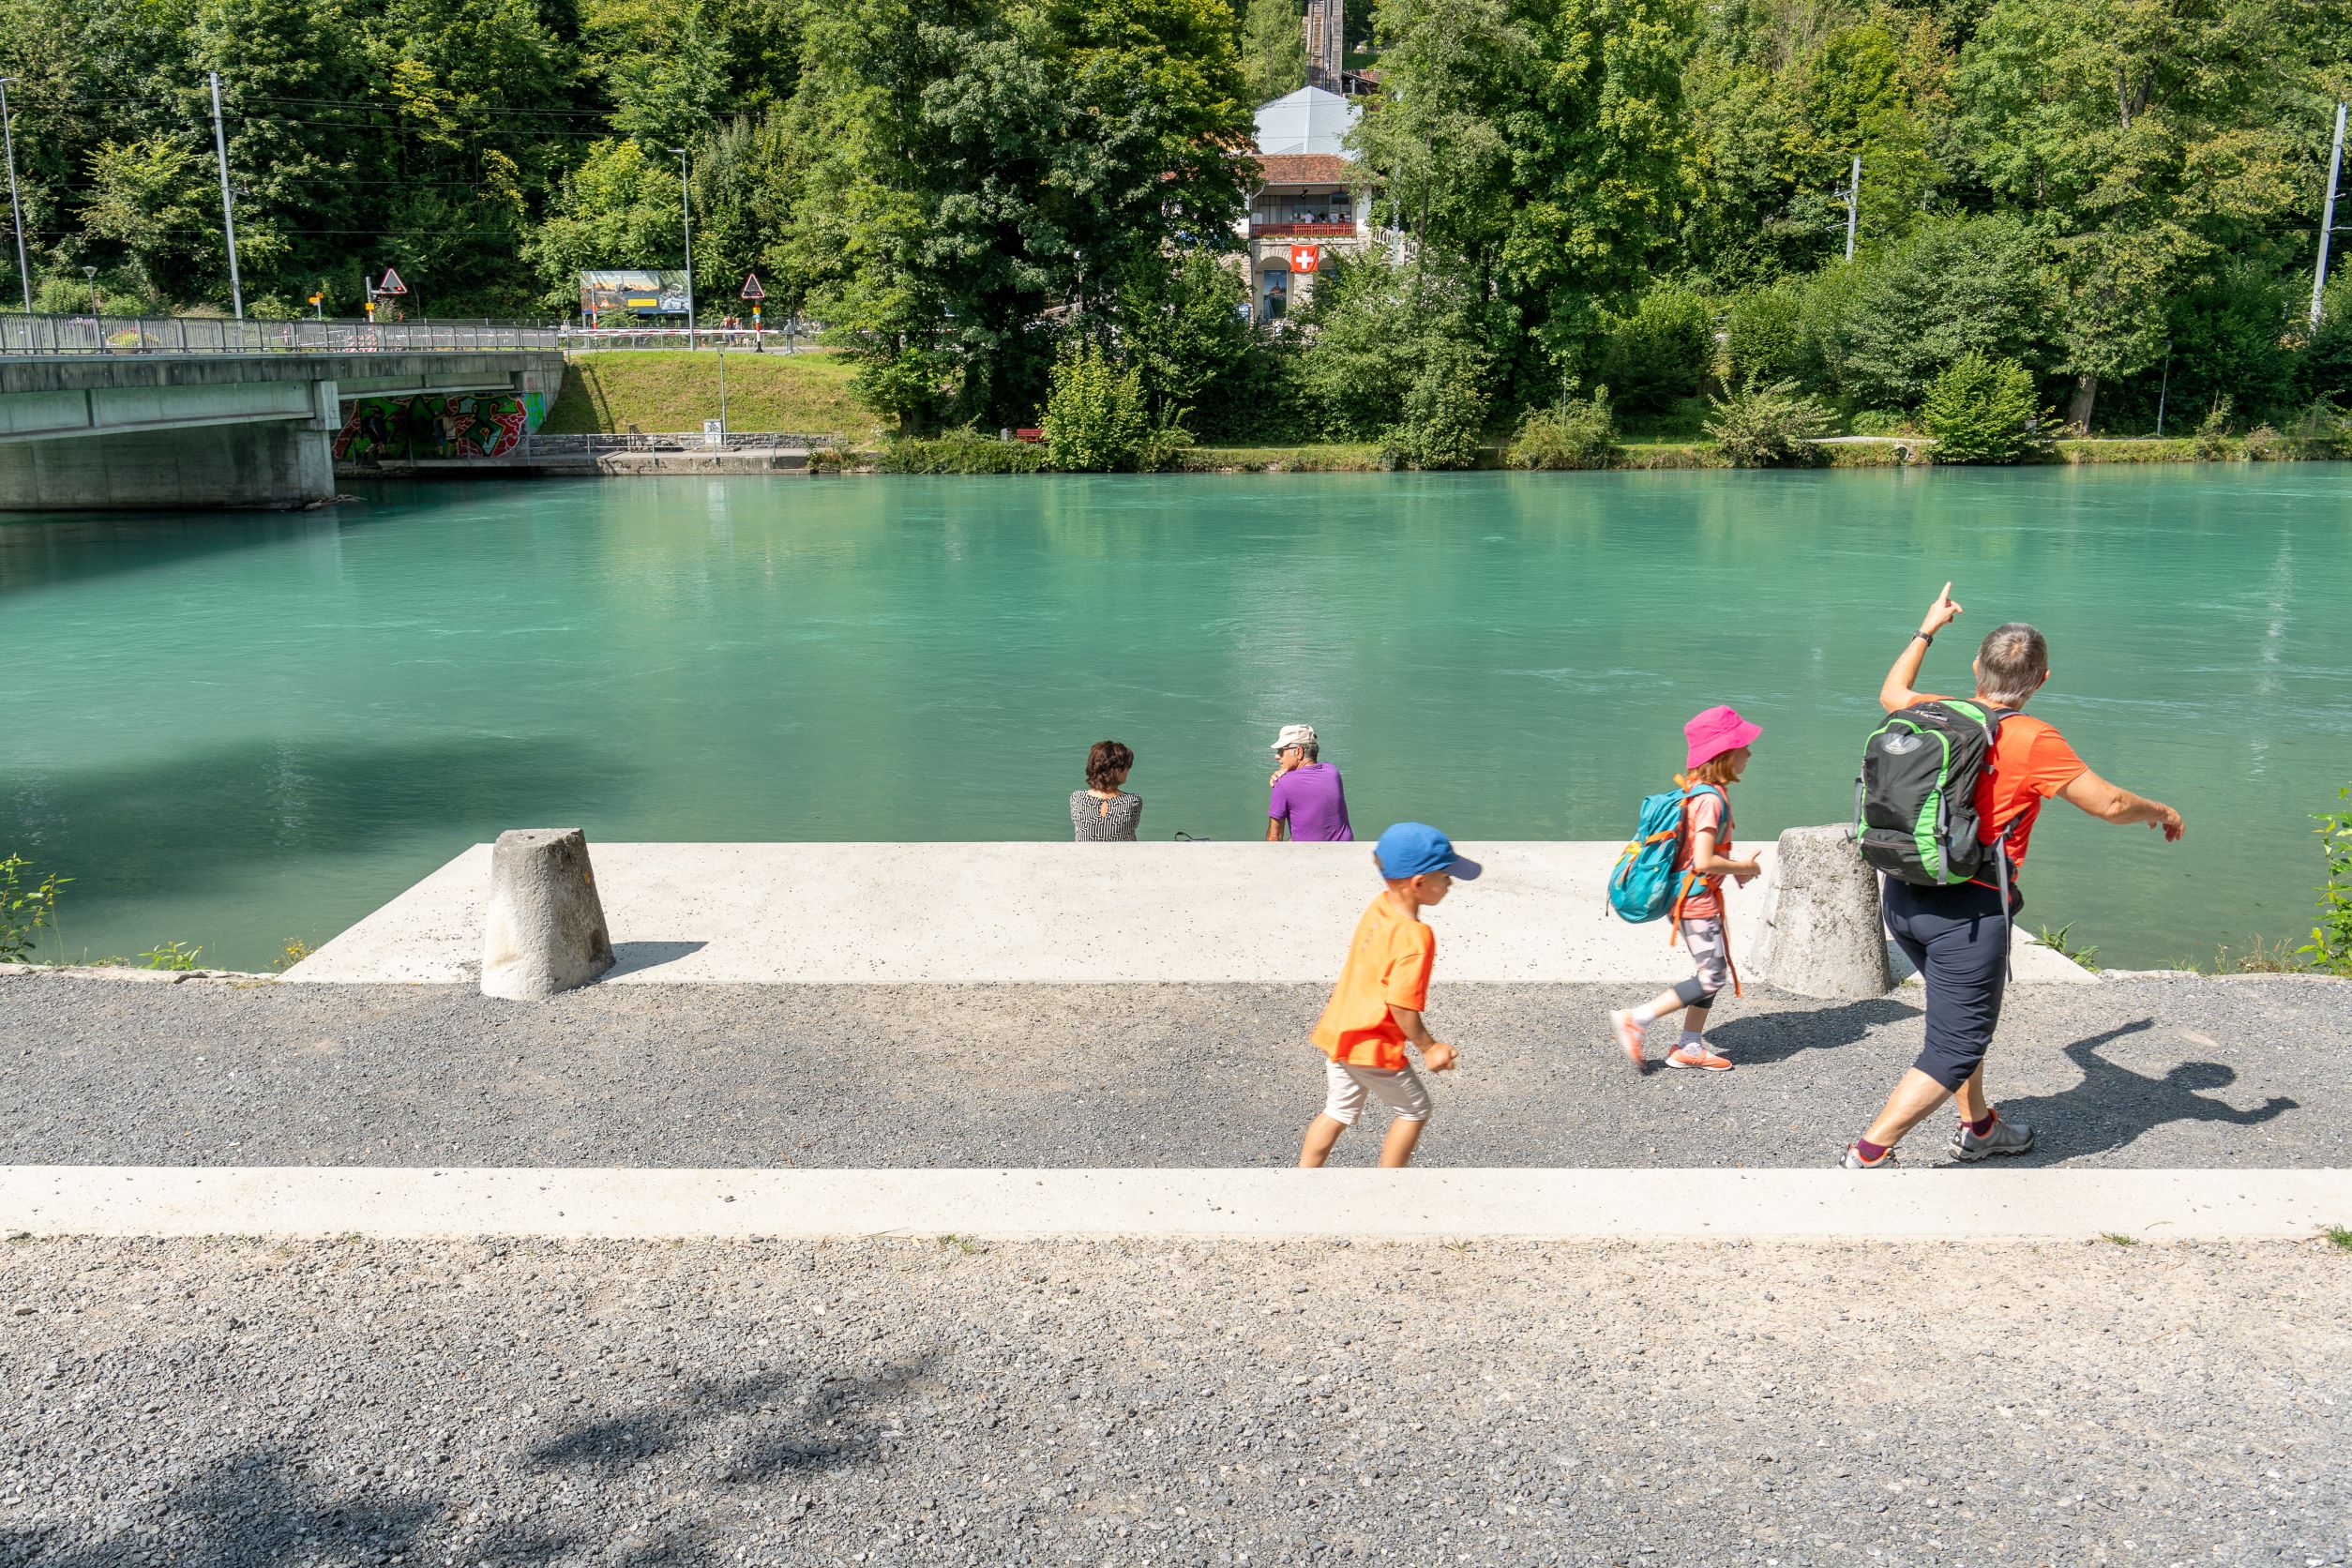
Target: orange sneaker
1628, 1035
1700, 1056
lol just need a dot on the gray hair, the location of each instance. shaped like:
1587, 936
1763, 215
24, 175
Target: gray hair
2011, 664
1314, 750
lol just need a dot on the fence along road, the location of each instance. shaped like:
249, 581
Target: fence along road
96, 335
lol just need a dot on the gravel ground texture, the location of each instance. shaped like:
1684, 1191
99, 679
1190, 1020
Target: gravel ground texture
2244, 1070
234, 1402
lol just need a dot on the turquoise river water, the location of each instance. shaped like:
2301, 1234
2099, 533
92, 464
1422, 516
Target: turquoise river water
233, 731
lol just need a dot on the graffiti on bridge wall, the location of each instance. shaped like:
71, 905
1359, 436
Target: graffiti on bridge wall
437, 425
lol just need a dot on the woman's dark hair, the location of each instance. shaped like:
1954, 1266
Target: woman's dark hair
1105, 762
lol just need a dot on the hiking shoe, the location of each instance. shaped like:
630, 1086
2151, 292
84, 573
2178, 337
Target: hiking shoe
1852, 1160
2007, 1137
1627, 1035
1697, 1055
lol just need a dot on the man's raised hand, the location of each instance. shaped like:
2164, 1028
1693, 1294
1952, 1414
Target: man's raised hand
1941, 614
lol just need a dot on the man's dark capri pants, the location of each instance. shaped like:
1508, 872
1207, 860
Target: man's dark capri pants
1958, 941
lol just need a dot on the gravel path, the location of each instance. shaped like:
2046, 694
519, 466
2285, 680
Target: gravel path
2237, 1072
235, 1403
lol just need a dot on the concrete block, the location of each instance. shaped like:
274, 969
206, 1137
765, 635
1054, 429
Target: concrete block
1823, 934
546, 930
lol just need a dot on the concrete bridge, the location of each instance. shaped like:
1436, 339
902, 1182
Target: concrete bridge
101, 415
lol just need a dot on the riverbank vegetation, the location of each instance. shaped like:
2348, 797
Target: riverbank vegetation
2108, 203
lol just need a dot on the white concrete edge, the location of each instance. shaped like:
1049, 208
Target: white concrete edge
1918, 1204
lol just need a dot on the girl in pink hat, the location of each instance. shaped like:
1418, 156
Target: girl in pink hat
1720, 742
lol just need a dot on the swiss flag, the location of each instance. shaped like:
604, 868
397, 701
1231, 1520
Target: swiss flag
1305, 257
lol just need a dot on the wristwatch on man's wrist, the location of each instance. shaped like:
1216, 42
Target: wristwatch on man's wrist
1927, 636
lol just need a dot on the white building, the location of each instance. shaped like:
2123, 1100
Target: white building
1308, 204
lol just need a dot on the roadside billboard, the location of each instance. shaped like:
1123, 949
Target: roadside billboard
604, 296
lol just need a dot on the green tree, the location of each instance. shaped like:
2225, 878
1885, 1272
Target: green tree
1183, 323
982, 165
619, 208
1959, 286
2150, 138
1274, 48
665, 64
1984, 409
1539, 147
151, 198
1761, 332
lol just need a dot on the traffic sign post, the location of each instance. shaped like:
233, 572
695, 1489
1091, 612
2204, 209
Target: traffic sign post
754, 293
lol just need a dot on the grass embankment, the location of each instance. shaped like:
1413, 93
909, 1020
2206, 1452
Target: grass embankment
658, 390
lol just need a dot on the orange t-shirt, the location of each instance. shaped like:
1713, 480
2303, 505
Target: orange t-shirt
1389, 960
1707, 811
2031, 762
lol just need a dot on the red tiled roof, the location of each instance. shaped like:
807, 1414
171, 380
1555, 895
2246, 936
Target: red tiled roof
1302, 169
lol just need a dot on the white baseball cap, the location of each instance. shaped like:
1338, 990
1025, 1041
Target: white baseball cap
1294, 734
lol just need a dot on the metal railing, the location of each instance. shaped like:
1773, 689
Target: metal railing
773, 340
100, 335
542, 445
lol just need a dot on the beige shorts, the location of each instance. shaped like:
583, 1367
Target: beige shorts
1346, 1087
1708, 950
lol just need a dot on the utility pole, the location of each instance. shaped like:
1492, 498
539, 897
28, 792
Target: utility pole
228, 207
16, 215
686, 214
2327, 217
1853, 206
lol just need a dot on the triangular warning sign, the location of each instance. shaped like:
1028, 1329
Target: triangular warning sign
752, 289
391, 283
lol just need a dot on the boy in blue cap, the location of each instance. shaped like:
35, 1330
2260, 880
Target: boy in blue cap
1376, 1006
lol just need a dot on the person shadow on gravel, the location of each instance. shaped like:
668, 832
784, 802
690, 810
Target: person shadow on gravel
2113, 1106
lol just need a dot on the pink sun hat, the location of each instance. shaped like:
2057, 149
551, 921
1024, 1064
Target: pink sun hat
1716, 732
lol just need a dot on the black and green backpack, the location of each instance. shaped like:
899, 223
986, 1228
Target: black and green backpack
1915, 803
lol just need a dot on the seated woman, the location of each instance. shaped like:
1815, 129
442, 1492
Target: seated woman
1103, 811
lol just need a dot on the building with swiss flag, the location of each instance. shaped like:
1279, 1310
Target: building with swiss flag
1308, 206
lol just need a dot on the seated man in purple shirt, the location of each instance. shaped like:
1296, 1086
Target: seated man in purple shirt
1307, 798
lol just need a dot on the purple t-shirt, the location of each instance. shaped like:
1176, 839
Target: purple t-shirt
1310, 799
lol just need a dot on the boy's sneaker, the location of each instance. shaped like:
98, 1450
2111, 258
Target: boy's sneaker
1700, 1056
1627, 1033
1852, 1160
2007, 1137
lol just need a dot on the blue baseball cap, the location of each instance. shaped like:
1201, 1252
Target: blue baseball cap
1410, 849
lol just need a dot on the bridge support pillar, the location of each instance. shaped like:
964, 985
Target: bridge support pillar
279, 464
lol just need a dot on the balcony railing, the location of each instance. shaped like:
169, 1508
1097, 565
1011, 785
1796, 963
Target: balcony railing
1260, 229
109, 335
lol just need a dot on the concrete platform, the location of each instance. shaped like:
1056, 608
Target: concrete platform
1045, 913
2151, 1205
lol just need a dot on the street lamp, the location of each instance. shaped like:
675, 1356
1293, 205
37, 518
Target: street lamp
686, 215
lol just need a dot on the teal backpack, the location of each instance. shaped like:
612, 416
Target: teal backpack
1644, 887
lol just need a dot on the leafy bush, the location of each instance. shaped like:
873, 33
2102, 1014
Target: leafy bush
1982, 410
1579, 433
1760, 333
1096, 422
2321, 430
2323, 370
1882, 422
2331, 948
2211, 444
26, 911
1444, 422
1660, 353
2264, 444
1768, 425
965, 451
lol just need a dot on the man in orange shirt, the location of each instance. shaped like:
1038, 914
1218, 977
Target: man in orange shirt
1958, 937
1375, 1008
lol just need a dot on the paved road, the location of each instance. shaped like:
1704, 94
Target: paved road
2244, 1070
242, 1403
